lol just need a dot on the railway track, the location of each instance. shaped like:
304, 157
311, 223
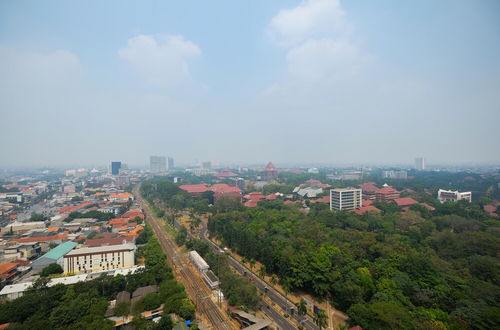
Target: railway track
195, 287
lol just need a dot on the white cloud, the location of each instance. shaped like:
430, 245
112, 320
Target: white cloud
310, 19
160, 60
316, 60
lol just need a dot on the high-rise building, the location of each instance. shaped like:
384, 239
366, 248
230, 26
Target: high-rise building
420, 163
170, 163
157, 164
345, 199
115, 168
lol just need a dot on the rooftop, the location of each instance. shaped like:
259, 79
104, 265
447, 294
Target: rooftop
60, 250
101, 249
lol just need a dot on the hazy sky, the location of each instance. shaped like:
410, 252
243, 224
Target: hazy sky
86, 82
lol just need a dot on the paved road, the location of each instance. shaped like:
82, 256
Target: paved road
274, 295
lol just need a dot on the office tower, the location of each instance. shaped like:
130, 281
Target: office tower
170, 163
345, 199
157, 164
115, 168
420, 163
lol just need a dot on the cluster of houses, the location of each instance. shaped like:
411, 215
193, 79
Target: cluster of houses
66, 235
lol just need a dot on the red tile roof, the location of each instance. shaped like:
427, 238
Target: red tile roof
251, 203
69, 209
194, 188
405, 201
40, 238
225, 174
254, 195
271, 197
224, 188
367, 202
324, 199
387, 190
133, 214
365, 209
491, 209
6, 268
118, 221
368, 187
124, 195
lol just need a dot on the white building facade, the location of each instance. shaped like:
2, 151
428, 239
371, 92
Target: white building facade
454, 196
99, 258
345, 199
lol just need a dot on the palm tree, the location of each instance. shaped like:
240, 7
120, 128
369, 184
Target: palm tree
262, 271
252, 263
274, 280
302, 307
321, 319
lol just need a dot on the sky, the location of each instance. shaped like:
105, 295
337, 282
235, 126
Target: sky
326, 81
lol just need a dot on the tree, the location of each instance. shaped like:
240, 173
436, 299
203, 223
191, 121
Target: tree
51, 269
302, 307
320, 319
38, 217
251, 263
262, 271
122, 309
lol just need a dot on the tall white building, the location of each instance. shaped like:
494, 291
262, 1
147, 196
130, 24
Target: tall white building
345, 199
420, 163
453, 196
157, 164
99, 258
395, 175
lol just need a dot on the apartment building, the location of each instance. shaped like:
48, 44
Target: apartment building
345, 199
99, 258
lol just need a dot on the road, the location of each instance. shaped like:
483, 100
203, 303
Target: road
277, 298
198, 292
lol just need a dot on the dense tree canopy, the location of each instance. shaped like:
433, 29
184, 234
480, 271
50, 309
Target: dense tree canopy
387, 271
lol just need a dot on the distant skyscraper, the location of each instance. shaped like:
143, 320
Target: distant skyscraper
170, 163
157, 164
115, 168
420, 163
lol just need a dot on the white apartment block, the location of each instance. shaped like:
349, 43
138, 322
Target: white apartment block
453, 196
345, 199
99, 258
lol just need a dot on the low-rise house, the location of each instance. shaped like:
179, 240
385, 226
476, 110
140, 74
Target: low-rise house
8, 272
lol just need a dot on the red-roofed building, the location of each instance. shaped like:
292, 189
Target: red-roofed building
225, 174
132, 214
195, 189
118, 221
8, 272
222, 189
119, 197
271, 197
386, 194
251, 203
367, 202
427, 206
270, 172
369, 189
60, 237
405, 201
364, 209
314, 183
69, 209
492, 209
324, 199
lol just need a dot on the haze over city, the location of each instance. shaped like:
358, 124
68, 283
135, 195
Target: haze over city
290, 81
